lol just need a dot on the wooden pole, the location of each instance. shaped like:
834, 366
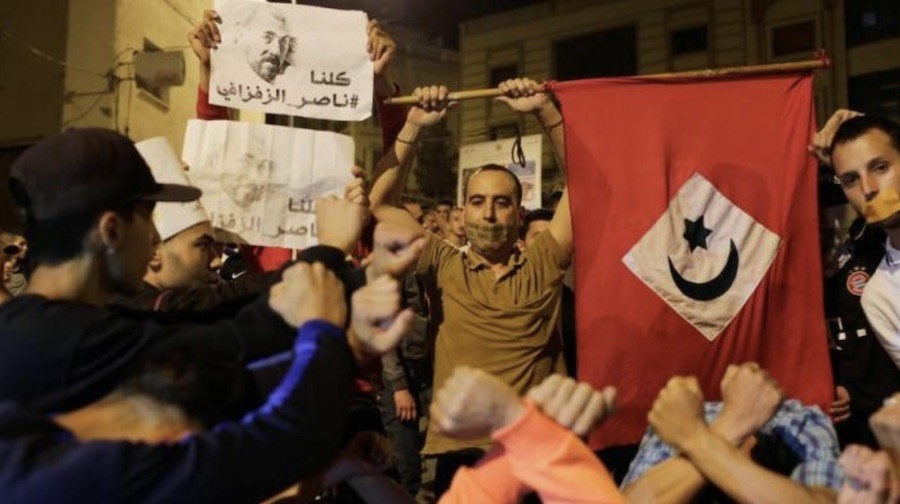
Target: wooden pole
739, 71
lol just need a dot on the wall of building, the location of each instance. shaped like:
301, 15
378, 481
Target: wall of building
31, 87
90, 97
738, 33
164, 24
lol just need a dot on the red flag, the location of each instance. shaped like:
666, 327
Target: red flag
696, 237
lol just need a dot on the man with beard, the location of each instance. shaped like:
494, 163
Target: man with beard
266, 42
866, 158
187, 255
494, 307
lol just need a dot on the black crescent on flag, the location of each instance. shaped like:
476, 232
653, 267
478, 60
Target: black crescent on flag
712, 289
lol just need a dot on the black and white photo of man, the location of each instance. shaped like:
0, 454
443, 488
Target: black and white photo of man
266, 42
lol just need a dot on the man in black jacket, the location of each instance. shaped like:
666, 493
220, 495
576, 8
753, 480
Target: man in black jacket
87, 196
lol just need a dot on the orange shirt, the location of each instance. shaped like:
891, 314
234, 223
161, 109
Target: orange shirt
535, 454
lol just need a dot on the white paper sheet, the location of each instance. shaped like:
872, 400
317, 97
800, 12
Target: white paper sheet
292, 59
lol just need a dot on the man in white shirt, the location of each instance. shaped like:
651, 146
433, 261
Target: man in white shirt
865, 153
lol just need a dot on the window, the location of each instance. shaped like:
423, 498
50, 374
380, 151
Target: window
607, 53
159, 92
794, 38
502, 73
689, 40
876, 93
867, 21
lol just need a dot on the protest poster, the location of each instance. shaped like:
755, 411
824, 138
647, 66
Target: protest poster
292, 59
474, 156
260, 181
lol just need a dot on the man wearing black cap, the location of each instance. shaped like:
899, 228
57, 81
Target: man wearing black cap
87, 197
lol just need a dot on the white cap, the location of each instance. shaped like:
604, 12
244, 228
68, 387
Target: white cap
170, 218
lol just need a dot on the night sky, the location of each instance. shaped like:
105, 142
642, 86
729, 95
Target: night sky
436, 18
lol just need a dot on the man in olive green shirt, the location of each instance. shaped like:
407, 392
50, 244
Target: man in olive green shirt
493, 307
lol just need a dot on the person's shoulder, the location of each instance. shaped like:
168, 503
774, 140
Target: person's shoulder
881, 287
29, 305
440, 248
36, 316
546, 247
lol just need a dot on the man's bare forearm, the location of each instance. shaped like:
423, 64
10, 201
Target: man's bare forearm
676, 480
742, 479
551, 121
389, 178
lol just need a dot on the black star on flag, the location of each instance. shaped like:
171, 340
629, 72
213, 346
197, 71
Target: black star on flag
696, 233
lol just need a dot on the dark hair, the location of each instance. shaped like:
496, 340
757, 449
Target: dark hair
444, 202
208, 389
54, 241
538, 214
495, 168
554, 198
851, 129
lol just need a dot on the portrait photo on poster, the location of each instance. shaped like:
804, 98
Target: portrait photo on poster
292, 59
260, 182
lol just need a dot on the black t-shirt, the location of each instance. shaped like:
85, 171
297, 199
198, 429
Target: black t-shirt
861, 364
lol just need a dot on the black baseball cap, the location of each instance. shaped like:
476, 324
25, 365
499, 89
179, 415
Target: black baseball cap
86, 170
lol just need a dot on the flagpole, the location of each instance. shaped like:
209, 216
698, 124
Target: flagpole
820, 63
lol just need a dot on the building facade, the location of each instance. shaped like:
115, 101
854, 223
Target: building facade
71, 63
572, 39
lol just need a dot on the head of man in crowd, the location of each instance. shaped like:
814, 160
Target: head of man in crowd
189, 259
265, 41
458, 223
186, 253
443, 209
865, 153
87, 196
534, 222
492, 196
429, 220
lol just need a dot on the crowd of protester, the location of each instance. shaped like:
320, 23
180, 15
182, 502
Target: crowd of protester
146, 361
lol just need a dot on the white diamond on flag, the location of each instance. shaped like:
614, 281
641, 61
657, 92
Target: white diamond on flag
704, 256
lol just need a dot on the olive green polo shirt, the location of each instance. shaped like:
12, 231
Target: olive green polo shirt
507, 326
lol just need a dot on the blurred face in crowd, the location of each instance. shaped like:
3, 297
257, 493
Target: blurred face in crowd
443, 212
14, 245
13, 253
492, 213
429, 221
457, 223
267, 43
189, 259
534, 228
131, 247
865, 166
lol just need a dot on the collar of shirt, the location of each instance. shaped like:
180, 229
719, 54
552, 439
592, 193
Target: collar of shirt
891, 255
475, 261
